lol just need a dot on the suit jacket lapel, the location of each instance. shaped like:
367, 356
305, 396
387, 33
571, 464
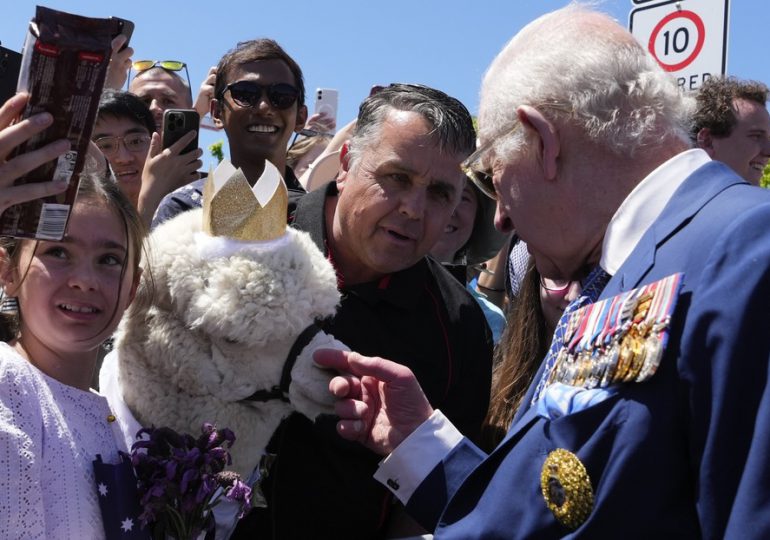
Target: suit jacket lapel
696, 191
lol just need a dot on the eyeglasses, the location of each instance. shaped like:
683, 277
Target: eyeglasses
479, 173
134, 142
169, 65
248, 94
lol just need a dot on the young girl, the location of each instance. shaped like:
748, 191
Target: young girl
71, 295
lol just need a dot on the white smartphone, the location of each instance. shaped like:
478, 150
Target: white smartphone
326, 102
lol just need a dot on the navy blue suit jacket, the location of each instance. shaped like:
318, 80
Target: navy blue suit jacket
685, 454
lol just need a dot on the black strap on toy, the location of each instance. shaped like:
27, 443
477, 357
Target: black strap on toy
282, 390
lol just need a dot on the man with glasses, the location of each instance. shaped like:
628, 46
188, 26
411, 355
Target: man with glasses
125, 133
399, 184
663, 434
259, 101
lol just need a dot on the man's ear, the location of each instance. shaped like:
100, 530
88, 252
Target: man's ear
705, 141
548, 134
301, 119
215, 110
344, 165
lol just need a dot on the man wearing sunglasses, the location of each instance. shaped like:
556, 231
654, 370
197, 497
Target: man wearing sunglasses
158, 84
259, 101
587, 142
399, 185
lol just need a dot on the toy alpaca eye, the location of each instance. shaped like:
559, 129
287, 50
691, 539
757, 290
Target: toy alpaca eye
231, 341
206, 282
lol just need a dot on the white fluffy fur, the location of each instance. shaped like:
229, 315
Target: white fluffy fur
219, 328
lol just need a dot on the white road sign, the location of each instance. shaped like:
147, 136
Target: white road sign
686, 37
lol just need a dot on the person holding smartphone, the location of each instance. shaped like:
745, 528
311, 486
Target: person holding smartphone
259, 102
126, 133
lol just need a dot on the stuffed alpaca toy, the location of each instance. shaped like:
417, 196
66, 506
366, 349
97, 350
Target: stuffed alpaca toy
223, 327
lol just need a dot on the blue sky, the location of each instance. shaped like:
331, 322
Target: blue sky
351, 45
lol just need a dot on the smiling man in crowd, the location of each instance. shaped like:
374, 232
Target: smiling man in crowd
259, 101
160, 89
732, 124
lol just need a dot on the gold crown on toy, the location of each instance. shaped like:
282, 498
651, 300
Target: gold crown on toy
232, 208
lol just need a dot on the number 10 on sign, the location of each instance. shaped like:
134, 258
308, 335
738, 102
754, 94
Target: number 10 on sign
688, 38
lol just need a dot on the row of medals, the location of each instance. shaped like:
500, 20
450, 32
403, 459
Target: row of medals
618, 340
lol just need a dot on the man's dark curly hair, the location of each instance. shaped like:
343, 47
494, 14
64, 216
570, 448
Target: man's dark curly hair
715, 103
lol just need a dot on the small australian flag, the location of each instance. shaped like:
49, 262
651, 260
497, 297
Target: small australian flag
119, 499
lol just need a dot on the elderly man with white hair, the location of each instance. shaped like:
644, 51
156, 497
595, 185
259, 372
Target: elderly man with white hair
650, 414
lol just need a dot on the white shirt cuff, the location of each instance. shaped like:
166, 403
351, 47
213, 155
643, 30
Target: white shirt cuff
417, 455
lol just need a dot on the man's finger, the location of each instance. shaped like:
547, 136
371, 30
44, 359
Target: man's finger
357, 364
345, 386
351, 409
352, 430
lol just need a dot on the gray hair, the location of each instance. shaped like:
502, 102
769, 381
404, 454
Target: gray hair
569, 65
450, 120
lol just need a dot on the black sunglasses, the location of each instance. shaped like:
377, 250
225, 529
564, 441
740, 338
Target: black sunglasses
248, 94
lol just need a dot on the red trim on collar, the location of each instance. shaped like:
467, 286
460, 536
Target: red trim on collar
384, 282
330, 258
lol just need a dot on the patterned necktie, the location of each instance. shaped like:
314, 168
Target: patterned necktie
594, 284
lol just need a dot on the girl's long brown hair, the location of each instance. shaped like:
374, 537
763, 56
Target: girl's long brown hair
522, 347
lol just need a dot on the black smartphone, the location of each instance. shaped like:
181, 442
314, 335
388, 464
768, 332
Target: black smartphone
126, 29
10, 66
177, 123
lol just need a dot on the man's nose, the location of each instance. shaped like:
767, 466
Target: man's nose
503, 223
413, 204
122, 154
766, 147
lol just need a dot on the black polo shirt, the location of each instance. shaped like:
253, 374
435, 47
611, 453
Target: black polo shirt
320, 485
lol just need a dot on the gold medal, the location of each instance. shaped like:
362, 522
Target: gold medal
566, 488
625, 356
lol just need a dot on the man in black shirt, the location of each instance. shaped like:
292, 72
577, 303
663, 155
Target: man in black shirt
399, 185
260, 102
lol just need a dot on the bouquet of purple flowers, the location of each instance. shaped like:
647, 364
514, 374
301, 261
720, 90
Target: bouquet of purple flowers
180, 480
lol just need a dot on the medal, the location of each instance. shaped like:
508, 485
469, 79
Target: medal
566, 488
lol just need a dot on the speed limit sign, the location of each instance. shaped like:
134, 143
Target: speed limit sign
687, 37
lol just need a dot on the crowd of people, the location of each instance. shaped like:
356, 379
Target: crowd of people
504, 378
